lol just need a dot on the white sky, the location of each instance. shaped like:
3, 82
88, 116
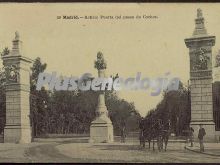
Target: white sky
69, 47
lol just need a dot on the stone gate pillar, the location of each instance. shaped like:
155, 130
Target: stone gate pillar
101, 129
17, 69
200, 52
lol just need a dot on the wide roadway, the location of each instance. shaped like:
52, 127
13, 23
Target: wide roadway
74, 150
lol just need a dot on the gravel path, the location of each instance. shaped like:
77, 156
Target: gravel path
68, 150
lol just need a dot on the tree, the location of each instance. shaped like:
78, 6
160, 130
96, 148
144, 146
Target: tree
122, 112
66, 112
175, 106
5, 51
73, 112
2, 102
39, 99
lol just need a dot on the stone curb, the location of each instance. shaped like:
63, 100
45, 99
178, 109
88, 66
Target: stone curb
205, 153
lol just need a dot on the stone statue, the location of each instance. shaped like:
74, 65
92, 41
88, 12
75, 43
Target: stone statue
16, 35
199, 13
100, 63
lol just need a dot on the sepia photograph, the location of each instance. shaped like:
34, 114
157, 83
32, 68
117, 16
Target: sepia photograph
110, 83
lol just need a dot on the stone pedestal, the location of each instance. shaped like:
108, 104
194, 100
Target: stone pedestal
17, 128
200, 52
101, 129
202, 107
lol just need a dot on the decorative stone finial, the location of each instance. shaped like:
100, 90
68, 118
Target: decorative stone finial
100, 62
200, 26
199, 13
16, 35
16, 45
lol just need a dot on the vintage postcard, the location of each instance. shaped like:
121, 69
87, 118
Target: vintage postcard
110, 83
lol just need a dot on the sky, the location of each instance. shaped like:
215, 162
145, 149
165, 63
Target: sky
69, 47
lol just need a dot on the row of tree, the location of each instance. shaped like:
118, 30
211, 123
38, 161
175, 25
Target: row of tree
64, 112
175, 106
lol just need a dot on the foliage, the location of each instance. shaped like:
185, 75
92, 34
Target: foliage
175, 106
64, 112
2, 93
122, 113
5, 52
38, 99
2, 105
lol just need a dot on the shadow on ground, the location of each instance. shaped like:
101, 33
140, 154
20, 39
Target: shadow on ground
135, 147
120, 147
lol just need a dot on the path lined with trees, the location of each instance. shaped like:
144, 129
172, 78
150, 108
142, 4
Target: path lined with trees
65, 112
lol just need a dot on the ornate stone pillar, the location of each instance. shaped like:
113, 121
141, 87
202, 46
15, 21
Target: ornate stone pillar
101, 129
200, 52
17, 70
